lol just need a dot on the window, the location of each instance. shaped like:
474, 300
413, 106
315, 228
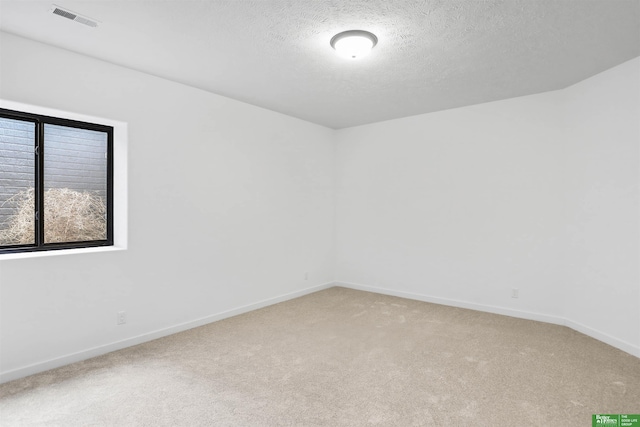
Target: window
56, 183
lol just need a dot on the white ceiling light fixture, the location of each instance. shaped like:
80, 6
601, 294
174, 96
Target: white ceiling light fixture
353, 44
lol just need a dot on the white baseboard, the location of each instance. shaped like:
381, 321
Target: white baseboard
139, 339
521, 314
456, 303
605, 338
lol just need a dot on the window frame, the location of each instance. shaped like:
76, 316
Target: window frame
39, 162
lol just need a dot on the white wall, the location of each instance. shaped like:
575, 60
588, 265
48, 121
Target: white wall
229, 205
602, 120
538, 193
461, 205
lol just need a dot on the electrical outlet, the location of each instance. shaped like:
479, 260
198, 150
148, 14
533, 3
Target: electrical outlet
514, 293
121, 318
306, 275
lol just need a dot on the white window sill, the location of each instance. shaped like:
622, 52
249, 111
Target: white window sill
38, 254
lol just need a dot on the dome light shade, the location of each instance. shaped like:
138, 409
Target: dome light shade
353, 44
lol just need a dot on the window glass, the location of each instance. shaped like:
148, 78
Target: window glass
17, 182
75, 184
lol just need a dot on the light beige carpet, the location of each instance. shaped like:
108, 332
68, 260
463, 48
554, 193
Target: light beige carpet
340, 358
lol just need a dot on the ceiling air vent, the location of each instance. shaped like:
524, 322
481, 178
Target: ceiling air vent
57, 10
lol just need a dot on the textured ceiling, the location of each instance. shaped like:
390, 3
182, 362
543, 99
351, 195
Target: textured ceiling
432, 54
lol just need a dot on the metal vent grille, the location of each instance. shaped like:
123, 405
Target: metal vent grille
56, 10
86, 21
